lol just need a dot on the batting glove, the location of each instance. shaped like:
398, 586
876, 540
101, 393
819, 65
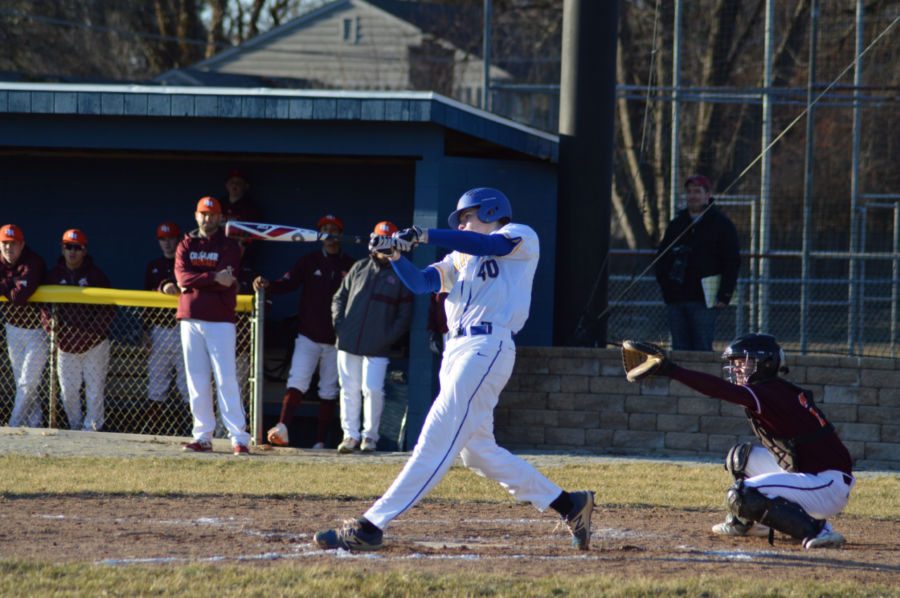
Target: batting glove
381, 244
407, 239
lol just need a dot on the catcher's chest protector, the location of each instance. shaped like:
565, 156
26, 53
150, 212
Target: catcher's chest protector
785, 449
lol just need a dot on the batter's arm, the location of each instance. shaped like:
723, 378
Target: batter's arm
417, 281
471, 243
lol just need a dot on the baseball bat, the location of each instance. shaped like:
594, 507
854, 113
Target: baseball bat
278, 232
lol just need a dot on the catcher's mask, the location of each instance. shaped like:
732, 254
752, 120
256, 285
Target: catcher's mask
767, 356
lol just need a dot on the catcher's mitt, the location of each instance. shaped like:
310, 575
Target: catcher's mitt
642, 360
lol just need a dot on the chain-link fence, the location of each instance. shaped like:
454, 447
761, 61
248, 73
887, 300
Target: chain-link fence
108, 360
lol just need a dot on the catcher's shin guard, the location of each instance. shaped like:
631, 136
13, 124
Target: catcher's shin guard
736, 461
778, 513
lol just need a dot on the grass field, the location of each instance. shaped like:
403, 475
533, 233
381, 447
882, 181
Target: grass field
688, 488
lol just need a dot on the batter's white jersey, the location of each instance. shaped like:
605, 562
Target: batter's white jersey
491, 288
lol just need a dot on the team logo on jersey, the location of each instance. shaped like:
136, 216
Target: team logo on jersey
204, 258
317, 273
83, 282
24, 283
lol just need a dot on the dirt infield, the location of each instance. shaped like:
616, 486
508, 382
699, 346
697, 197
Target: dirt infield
439, 537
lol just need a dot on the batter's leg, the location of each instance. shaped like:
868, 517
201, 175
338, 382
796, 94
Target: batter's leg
96, 368
350, 372
374, 371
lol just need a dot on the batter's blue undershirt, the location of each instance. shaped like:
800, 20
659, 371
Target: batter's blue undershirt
477, 244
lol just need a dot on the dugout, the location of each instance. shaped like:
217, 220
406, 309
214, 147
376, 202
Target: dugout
116, 161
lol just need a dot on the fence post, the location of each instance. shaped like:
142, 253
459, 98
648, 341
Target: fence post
676, 111
805, 292
257, 328
852, 321
54, 362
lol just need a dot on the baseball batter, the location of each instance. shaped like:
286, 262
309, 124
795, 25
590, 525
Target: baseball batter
320, 274
21, 272
206, 265
488, 276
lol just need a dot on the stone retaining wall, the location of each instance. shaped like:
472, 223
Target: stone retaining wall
578, 399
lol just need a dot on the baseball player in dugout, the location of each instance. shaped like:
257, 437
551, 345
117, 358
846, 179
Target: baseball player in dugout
320, 273
488, 275
700, 249
802, 473
81, 334
206, 263
371, 311
238, 204
21, 272
161, 329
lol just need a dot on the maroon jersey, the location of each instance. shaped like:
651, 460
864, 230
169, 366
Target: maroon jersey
244, 209
197, 260
320, 274
783, 411
18, 282
437, 314
159, 270
81, 326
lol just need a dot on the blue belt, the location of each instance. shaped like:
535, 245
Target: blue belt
483, 330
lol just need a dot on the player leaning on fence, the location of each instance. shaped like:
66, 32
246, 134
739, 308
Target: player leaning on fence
81, 334
21, 272
206, 265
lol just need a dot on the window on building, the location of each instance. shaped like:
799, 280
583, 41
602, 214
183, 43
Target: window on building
350, 30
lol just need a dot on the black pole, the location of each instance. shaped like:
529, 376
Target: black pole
805, 295
586, 129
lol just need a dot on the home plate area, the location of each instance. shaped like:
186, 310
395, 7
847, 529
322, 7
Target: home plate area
435, 536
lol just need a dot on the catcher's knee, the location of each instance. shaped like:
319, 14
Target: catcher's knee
736, 461
749, 504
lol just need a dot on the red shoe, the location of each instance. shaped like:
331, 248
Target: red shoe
240, 450
198, 446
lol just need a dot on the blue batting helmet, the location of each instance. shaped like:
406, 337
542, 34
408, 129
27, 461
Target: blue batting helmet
492, 205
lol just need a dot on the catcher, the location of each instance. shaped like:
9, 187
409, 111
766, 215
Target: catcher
801, 477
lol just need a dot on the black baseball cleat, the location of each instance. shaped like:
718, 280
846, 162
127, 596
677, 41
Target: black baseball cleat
578, 521
351, 536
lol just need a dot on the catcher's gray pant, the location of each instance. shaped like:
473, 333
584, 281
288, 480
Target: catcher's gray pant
822, 494
165, 354
91, 367
209, 351
28, 352
461, 422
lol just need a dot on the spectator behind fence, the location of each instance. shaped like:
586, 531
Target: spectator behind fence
205, 265
239, 205
708, 249
81, 334
437, 323
371, 311
162, 330
320, 273
21, 272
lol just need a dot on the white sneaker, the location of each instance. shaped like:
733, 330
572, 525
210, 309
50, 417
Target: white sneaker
757, 530
279, 435
368, 445
826, 539
348, 445
319, 446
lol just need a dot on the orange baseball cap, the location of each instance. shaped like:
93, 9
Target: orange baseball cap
209, 205
329, 219
73, 235
168, 229
385, 229
11, 232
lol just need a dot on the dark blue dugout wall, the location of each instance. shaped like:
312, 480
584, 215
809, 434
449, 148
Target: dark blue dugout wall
119, 202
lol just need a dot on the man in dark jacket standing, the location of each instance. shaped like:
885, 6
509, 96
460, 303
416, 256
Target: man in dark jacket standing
700, 249
21, 272
81, 333
371, 310
320, 273
206, 268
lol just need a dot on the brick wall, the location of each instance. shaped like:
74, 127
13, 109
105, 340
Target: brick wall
578, 399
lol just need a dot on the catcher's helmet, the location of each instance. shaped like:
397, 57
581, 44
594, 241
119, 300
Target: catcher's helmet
492, 206
762, 347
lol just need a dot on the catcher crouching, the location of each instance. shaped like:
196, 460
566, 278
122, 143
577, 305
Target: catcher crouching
802, 473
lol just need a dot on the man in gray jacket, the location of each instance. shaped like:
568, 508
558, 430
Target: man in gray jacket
371, 310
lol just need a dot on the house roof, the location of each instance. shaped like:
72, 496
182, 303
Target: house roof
321, 105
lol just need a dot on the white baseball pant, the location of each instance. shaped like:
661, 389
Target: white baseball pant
90, 367
242, 366
165, 354
822, 494
28, 353
362, 387
309, 354
209, 351
461, 422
